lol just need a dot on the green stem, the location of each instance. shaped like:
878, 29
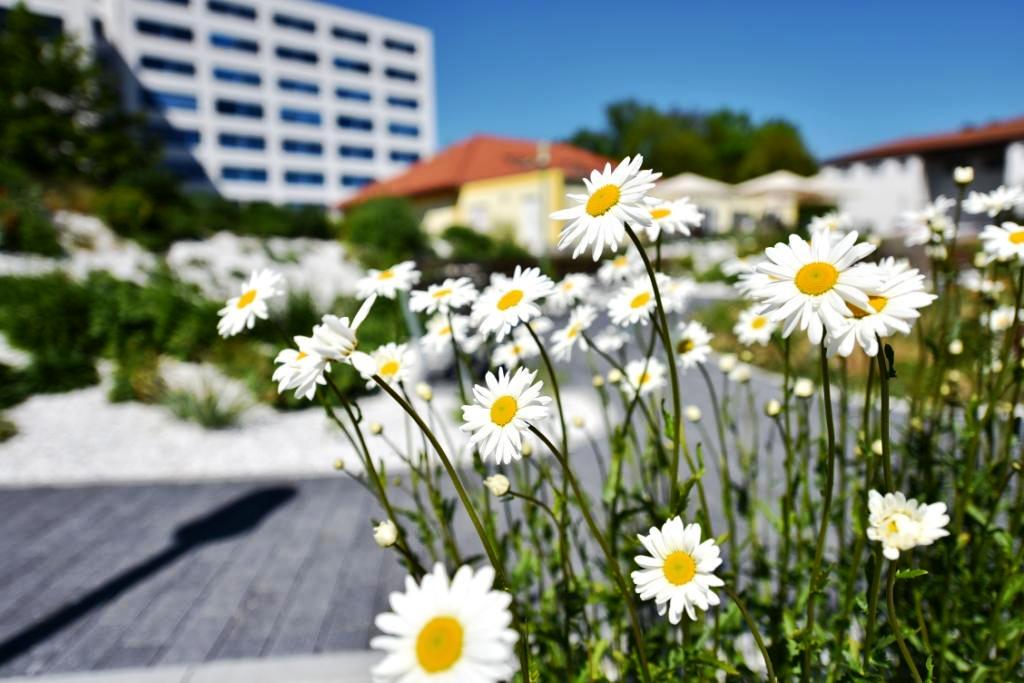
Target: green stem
895, 623
753, 630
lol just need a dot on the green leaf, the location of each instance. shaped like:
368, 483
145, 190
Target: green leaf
910, 573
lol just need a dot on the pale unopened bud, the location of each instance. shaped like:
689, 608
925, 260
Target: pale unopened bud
727, 362
917, 424
740, 374
692, 413
772, 408
497, 484
424, 391
376, 428
803, 387
876, 447
339, 464
527, 449
746, 355
945, 390
997, 365
980, 259
954, 376
385, 534
956, 347
598, 381
963, 175
578, 422
937, 252
614, 376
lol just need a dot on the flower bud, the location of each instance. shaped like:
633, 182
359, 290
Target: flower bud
772, 408
376, 428
424, 391
339, 464
598, 381
963, 175
692, 413
741, 374
876, 447
956, 347
527, 449
746, 355
497, 484
614, 376
578, 422
385, 534
980, 259
726, 362
803, 387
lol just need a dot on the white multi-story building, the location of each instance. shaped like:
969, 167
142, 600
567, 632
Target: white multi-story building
288, 101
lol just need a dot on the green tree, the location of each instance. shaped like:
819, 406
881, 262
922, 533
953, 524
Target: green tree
384, 231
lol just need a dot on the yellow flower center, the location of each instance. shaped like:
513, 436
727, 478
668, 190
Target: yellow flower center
679, 568
442, 293
302, 354
877, 303
1017, 237
444, 331
645, 378
385, 275
892, 527
658, 214
573, 331
759, 322
439, 644
503, 410
816, 278
247, 298
389, 369
685, 346
602, 200
510, 299
620, 261
640, 300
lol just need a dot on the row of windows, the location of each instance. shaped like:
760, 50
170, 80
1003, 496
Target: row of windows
241, 11
238, 141
292, 54
259, 175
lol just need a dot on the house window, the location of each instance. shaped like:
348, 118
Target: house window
354, 123
404, 129
400, 74
400, 46
354, 152
352, 65
301, 116
356, 180
236, 141
293, 85
232, 9
302, 147
403, 102
350, 94
236, 76
350, 35
405, 157
296, 55
303, 178
243, 109
304, 25
244, 174
162, 30
170, 100
171, 66
226, 42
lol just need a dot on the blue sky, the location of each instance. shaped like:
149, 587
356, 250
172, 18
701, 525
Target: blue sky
849, 74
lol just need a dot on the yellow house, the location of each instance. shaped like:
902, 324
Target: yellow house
503, 187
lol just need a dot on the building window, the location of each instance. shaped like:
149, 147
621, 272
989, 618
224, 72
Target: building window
296, 55
350, 94
236, 76
236, 108
356, 180
400, 46
244, 174
162, 30
232, 9
293, 85
296, 23
183, 3
303, 178
170, 66
352, 65
354, 123
350, 35
405, 157
177, 137
403, 102
236, 141
223, 40
353, 152
303, 116
400, 74
187, 170
405, 129
303, 147
170, 100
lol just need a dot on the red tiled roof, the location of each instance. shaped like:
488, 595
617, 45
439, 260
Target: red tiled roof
478, 158
989, 134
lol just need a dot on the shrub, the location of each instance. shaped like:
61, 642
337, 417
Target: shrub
24, 223
472, 246
384, 231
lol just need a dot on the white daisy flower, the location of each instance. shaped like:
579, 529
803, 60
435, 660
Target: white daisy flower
502, 412
753, 327
750, 283
335, 338
997, 201
516, 351
453, 293
672, 218
447, 632
894, 305
678, 571
931, 224
999, 320
392, 362
621, 268
645, 375
694, 345
675, 292
565, 339
813, 282
438, 335
901, 524
613, 198
834, 223
570, 291
1003, 242
633, 304
979, 283
510, 301
301, 369
387, 283
240, 312
610, 340
739, 265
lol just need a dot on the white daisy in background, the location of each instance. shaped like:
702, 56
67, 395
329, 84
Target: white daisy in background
678, 571
448, 632
439, 330
975, 281
392, 362
803, 387
516, 351
240, 312
387, 283
894, 303
510, 301
1003, 242
565, 339
453, 293
645, 375
834, 223
814, 282
901, 524
738, 265
300, 368
335, 338
613, 198
997, 201
751, 282
610, 340
12, 356
932, 223
620, 269
572, 290
675, 292
753, 327
999, 320
672, 218
502, 412
633, 303
694, 345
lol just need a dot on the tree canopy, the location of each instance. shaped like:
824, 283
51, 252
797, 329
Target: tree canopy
724, 144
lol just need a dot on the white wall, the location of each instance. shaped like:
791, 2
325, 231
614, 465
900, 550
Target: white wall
876, 193
1014, 174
